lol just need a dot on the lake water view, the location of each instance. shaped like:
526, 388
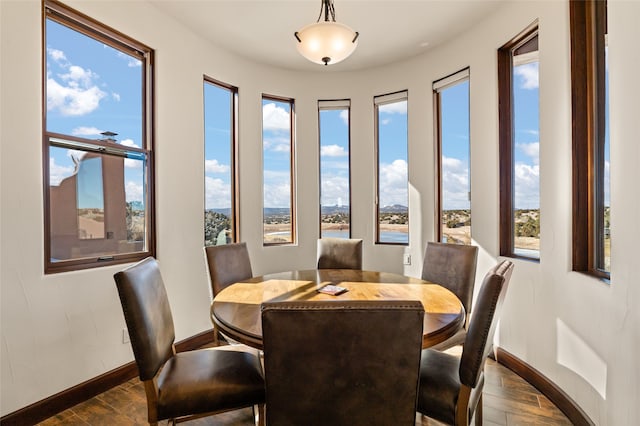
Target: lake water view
385, 236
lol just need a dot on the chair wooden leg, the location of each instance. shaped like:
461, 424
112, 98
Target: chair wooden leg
215, 335
479, 412
259, 415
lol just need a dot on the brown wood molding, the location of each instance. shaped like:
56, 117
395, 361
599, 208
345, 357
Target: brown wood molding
50, 406
549, 389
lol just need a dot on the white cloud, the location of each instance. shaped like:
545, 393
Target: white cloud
393, 183
78, 76
344, 116
527, 186
276, 144
56, 55
394, 108
86, 131
57, 172
275, 118
129, 142
213, 166
332, 151
531, 150
133, 191
72, 99
76, 91
528, 74
455, 184
115, 96
131, 61
385, 121
334, 190
217, 193
277, 189
131, 163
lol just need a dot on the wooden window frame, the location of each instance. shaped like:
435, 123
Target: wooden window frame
340, 104
393, 97
235, 155
92, 28
438, 86
292, 174
505, 140
588, 20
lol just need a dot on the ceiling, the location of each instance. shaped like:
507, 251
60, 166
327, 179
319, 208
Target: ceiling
390, 30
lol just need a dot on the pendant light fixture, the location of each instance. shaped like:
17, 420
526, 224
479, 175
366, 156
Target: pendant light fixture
326, 42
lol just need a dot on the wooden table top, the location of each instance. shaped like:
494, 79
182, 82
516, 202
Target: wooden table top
236, 309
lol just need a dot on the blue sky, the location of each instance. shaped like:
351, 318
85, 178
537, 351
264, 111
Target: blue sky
334, 157
217, 136
526, 136
276, 141
455, 146
92, 88
393, 154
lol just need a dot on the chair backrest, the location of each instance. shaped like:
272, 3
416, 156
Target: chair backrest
452, 266
227, 264
342, 362
339, 253
148, 315
483, 323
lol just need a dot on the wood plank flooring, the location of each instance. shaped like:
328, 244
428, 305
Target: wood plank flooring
508, 400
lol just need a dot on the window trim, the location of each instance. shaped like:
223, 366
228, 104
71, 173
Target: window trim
333, 104
438, 86
292, 174
378, 100
235, 155
505, 141
588, 26
71, 18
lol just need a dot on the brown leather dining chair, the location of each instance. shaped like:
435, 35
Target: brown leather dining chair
185, 385
451, 386
227, 264
342, 362
339, 253
452, 266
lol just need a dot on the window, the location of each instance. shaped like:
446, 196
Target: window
278, 161
451, 96
98, 132
519, 146
335, 192
220, 160
590, 104
392, 202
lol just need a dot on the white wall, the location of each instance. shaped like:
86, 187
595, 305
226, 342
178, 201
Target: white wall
60, 330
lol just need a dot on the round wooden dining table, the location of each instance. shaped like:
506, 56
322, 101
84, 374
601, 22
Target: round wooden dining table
236, 309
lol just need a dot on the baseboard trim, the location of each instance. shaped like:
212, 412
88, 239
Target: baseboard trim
48, 407
549, 389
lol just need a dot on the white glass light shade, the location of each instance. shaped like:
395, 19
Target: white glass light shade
326, 42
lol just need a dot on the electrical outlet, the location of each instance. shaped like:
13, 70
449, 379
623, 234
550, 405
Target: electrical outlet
406, 259
125, 336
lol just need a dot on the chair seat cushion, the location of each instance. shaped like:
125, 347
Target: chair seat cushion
455, 340
207, 380
439, 385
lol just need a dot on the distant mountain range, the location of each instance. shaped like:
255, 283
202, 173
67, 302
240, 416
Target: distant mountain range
396, 208
276, 211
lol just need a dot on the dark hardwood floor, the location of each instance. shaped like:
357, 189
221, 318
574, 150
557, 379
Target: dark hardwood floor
508, 400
